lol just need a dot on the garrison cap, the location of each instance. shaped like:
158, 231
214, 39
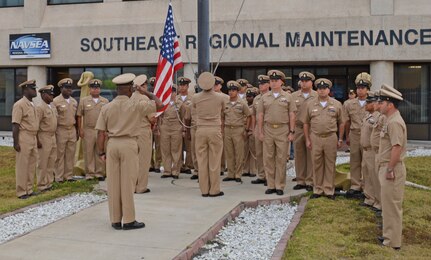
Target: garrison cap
276, 74
233, 85
65, 83
262, 79
49, 89
124, 79
28, 84
251, 92
305, 75
242, 82
323, 83
218, 80
388, 93
183, 81
206, 80
371, 97
363, 79
140, 80
152, 80
95, 83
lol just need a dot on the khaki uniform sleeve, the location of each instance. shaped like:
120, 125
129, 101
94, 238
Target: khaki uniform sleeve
101, 122
260, 108
345, 111
147, 107
341, 115
246, 109
80, 110
39, 113
306, 116
396, 133
17, 114
292, 105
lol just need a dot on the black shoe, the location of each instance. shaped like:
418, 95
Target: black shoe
24, 197
279, 192
133, 225
146, 191
315, 196
175, 177
270, 191
252, 175
117, 226
221, 173
294, 179
34, 193
204, 195
194, 177
221, 193
238, 180
188, 171
379, 214
381, 239
228, 179
157, 170
353, 194
331, 197
258, 181
265, 184
101, 178
246, 174
166, 176
309, 187
363, 204
299, 187
70, 180
151, 169
375, 209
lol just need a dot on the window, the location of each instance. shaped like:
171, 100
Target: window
9, 93
60, 2
11, 3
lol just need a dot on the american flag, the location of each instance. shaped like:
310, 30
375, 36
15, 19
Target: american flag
169, 61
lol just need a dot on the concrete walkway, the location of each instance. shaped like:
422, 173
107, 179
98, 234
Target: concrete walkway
174, 212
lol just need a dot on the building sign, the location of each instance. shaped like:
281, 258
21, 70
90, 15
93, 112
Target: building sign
30, 46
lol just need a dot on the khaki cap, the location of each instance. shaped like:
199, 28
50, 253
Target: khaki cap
288, 88
262, 79
218, 80
233, 85
352, 91
371, 96
387, 87
183, 81
28, 84
124, 79
66, 82
242, 82
206, 80
49, 89
140, 80
322, 82
95, 83
388, 93
363, 79
276, 74
152, 80
306, 75
251, 92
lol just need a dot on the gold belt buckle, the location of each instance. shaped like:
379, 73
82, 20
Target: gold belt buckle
275, 126
232, 127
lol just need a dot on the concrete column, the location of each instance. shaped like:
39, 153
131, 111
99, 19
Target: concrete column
37, 73
189, 70
34, 11
382, 72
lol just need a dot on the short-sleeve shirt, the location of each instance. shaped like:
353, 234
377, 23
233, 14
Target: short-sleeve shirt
66, 110
394, 132
137, 97
367, 127
301, 103
47, 115
324, 120
90, 110
276, 109
354, 112
375, 134
209, 107
235, 112
24, 113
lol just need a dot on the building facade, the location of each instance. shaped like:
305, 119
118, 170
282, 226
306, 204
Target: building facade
336, 39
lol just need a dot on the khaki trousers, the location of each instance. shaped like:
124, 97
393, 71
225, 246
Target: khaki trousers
66, 144
46, 160
377, 187
93, 164
156, 158
188, 164
209, 147
25, 163
121, 170
193, 144
370, 176
392, 195
275, 154
144, 154
171, 147
223, 161
249, 155
259, 158
234, 149
355, 160
303, 162
324, 154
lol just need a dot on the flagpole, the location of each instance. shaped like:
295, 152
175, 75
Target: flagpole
203, 36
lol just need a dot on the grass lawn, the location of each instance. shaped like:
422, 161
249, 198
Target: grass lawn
8, 199
342, 229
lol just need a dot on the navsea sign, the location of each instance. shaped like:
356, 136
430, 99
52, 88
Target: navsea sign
30, 46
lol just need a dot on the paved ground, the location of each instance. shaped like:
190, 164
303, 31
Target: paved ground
174, 213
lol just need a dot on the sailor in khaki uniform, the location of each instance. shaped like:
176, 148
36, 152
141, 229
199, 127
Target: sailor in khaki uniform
25, 124
303, 163
276, 119
323, 117
88, 111
392, 171
236, 110
263, 81
46, 142
354, 110
217, 88
66, 132
120, 120
156, 156
209, 108
250, 164
185, 98
243, 89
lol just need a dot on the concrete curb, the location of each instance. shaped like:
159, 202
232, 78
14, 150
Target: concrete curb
209, 235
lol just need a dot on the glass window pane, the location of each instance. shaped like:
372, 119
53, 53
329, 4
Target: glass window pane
56, 2
7, 91
149, 71
11, 3
105, 75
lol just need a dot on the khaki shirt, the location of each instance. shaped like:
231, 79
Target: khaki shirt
394, 132
276, 109
185, 104
256, 101
354, 112
209, 107
24, 113
301, 102
121, 117
66, 111
367, 127
171, 114
47, 117
234, 113
136, 98
324, 120
375, 134
90, 110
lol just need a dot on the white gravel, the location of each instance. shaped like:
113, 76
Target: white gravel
6, 141
22, 223
253, 235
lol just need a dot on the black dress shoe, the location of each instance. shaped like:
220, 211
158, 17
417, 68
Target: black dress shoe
194, 177
70, 180
101, 178
299, 187
265, 184
379, 214
34, 193
375, 209
23, 197
252, 175
309, 187
381, 239
146, 191
221, 173
294, 179
117, 225
315, 196
175, 177
157, 170
238, 180
151, 169
258, 181
331, 197
188, 171
246, 174
279, 192
228, 179
166, 176
270, 191
363, 204
204, 195
353, 194
221, 193
133, 225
